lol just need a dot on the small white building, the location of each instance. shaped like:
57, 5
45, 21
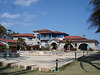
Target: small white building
30, 39
7, 42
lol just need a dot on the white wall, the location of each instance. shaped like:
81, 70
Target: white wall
6, 43
32, 42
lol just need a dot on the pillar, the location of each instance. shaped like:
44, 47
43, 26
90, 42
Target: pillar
48, 36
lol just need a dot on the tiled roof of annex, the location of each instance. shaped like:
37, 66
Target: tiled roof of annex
74, 38
1, 43
8, 40
78, 38
24, 35
49, 31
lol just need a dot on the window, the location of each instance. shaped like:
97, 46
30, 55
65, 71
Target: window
29, 38
44, 35
38, 43
38, 35
46, 44
30, 44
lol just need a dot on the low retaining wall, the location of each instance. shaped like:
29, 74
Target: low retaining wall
27, 67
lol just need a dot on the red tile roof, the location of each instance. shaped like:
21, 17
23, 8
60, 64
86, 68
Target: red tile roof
59, 39
25, 35
7, 40
48, 31
74, 38
57, 32
42, 30
1, 43
78, 38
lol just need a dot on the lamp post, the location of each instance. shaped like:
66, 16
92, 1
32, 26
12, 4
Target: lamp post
56, 68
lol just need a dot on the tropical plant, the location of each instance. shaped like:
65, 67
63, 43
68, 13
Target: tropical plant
21, 42
68, 42
95, 16
90, 49
73, 49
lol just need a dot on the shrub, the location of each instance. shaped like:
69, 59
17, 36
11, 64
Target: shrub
73, 49
3, 48
28, 47
90, 49
13, 46
35, 47
45, 48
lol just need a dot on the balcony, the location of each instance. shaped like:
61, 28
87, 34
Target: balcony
45, 38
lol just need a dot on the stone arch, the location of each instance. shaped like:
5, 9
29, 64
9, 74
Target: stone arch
54, 45
83, 46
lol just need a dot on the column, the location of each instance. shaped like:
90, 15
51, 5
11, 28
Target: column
40, 36
63, 35
51, 36
48, 36
43, 36
57, 35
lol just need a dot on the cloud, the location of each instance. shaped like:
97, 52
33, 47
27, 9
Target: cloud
25, 2
7, 24
28, 17
24, 19
7, 15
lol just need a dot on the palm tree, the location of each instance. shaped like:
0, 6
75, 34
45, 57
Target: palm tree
95, 16
68, 42
21, 42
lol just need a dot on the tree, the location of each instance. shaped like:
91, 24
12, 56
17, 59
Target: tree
6, 33
95, 16
21, 42
2, 31
10, 34
68, 42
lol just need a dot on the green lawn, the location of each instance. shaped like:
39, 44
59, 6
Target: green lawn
74, 68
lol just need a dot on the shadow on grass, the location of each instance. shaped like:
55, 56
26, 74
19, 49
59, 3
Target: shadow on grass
89, 59
14, 72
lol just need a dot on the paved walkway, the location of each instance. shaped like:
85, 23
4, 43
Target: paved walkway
40, 61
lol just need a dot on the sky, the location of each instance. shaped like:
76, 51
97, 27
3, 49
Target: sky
69, 16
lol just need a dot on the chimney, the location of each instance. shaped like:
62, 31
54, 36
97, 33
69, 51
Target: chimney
84, 36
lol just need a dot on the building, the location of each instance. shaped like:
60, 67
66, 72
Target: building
30, 39
45, 36
56, 40
80, 43
7, 42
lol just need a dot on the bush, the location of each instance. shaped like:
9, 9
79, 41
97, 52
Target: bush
35, 47
90, 49
28, 47
3, 48
73, 49
13, 46
45, 48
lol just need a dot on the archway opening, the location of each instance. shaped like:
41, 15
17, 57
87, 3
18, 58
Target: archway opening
83, 46
54, 46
